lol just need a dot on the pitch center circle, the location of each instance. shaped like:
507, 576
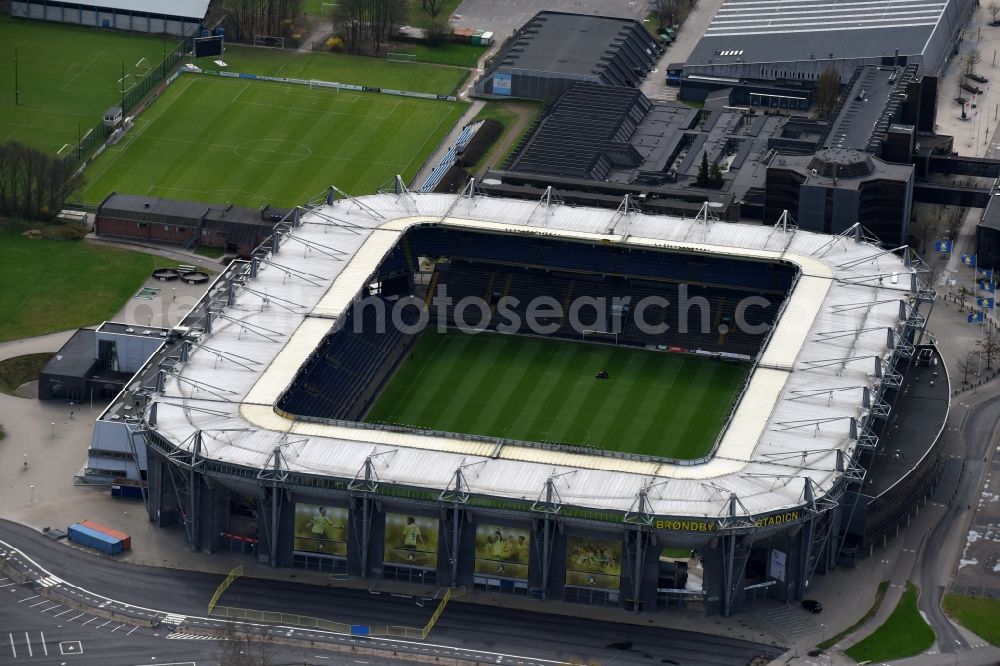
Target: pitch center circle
273, 151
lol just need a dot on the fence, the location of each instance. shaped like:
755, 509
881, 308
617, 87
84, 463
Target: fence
91, 142
223, 586
314, 83
294, 619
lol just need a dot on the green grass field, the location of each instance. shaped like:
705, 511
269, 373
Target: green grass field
542, 389
456, 55
58, 285
249, 143
978, 615
904, 634
67, 75
341, 68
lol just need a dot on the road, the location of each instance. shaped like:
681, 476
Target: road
959, 488
473, 632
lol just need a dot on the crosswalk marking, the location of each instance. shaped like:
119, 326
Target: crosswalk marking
192, 637
173, 618
49, 581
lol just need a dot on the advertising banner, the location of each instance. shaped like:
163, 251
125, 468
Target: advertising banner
593, 563
321, 529
502, 551
411, 540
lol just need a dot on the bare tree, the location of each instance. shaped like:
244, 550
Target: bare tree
33, 184
969, 62
990, 349
924, 227
966, 363
251, 18
665, 11
242, 648
368, 21
432, 7
994, 9
827, 91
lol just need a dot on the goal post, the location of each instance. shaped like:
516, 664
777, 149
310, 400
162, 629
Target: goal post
142, 68
594, 335
126, 83
401, 57
269, 41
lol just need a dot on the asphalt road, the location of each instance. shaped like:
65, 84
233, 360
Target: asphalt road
516, 636
959, 489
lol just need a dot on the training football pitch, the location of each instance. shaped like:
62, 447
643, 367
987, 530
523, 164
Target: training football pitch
68, 76
249, 142
544, 390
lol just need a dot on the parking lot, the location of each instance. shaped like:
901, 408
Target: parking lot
502, 17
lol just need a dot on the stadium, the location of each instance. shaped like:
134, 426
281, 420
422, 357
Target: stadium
326, 407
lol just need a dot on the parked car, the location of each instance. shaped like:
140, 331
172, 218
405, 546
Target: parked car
812, 606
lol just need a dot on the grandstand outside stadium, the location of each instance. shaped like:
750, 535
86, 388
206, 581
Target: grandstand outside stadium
248, 423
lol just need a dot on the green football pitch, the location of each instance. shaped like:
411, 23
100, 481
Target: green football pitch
67, 75
544, 390
249, 142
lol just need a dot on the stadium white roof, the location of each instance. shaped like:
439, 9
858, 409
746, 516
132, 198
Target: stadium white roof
184, 8
793, 418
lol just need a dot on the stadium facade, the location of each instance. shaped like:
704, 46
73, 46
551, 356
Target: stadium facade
244, 423
182, 18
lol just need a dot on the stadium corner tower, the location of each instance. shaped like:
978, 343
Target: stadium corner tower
252, 425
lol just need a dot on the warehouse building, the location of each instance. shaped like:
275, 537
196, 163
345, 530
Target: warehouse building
182, 18
771, 52
555, 49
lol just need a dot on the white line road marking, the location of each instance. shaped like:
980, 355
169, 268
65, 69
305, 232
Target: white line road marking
131, 630
68, 610
88, 622
43, 601
117, 628
75, 616
44, 647
71, 647
28, 641
46, 610
28, 598
12, 648
108, 622
8, 584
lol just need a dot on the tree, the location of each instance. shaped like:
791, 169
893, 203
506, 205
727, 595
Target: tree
359, 21
244, 648
970, 361
969, 62
665, 11
924, 227
990, 349
252, 18
432, 7
994, 9
33, 184
715, 176
827, 91
703, 177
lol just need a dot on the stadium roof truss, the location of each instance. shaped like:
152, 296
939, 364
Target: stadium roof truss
791, 442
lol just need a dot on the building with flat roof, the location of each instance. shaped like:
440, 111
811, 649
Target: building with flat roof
835, 188
182, 18
553, 50
791, 42
233, 229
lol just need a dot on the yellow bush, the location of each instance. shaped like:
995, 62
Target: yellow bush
335, 44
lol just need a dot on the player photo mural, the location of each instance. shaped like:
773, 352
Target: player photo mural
593, 563
502, 551
321, 529
411, 540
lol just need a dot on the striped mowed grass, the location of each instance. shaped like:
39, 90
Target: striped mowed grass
545, 390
